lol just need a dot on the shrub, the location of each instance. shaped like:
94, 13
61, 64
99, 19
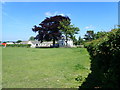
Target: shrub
105, 61
18, 45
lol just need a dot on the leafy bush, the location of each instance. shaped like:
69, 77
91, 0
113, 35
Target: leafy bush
105, 61
18, 45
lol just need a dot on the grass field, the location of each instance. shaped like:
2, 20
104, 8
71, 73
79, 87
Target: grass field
44, 67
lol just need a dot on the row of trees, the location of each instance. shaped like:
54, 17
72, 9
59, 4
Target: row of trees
53, 28
18, 41
90, 35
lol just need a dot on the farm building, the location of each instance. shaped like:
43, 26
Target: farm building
60, 43
10, 43
37, 43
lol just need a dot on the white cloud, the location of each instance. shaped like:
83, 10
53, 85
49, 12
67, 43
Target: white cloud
90, 27
48, 14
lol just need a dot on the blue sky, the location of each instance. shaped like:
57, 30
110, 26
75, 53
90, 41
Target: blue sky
19, 17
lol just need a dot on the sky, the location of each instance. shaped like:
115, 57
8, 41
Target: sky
18, 18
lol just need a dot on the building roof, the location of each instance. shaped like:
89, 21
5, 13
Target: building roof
24, 42
10, 43
38, 42
35, 42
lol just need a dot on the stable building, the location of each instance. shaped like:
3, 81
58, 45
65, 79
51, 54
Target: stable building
60, 43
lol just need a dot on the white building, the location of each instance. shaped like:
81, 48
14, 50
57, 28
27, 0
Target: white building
9, 43
37, 43
61, 43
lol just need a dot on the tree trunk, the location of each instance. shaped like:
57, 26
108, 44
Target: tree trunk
53, 42
66, 40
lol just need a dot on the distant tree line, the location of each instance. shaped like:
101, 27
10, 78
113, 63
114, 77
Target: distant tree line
90, 35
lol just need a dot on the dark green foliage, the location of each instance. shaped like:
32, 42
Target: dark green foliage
89, 35
74, 40
18, 45
18, 41
105, 61
100, 34
80, 41
32, 38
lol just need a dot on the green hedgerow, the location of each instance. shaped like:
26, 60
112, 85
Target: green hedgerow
105, 61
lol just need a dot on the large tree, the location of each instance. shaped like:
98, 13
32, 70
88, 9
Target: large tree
48, 29
68, 30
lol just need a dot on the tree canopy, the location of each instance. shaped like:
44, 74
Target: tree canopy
100, 34
48, 29
18, 41
68, 30
89, 35
32, 38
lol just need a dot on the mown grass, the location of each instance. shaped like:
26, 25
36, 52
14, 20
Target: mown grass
44, 67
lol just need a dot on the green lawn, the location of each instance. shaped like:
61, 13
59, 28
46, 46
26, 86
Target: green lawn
44, 67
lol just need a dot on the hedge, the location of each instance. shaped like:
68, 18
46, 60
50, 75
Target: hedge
18, 45
105, 61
